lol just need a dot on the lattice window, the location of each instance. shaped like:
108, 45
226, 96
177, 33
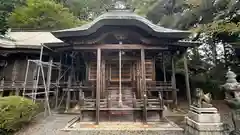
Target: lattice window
149, 69
125, 71
92, 70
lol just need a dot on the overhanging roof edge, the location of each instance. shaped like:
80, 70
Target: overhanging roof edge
119, 18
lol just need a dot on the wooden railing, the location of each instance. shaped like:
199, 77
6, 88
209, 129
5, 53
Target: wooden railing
160, 86
143, 105
11, 85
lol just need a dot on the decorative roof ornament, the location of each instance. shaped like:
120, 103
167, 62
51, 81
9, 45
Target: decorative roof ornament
120, 5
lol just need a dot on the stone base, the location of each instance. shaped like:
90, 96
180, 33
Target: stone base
125, 128
202, 117
203, 121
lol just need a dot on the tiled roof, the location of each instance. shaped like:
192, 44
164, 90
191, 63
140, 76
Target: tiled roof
27, 39
119, 18
123, 15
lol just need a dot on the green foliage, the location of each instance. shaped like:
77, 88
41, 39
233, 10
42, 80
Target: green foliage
90, 9
142, 6
43, 14
3, 23
15, 112
6, 7
218, 28
87, 9
10, 5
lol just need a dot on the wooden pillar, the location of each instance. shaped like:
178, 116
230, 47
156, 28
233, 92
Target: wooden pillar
87, 71
103, 79
174, 92
26, 78
2, 85
70, 76
138, 78
98, 86
14, 76
188, 92
120, 79
143, 85
164, 69
164, 77
65, 63
143, 73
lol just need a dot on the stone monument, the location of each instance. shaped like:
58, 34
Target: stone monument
203, 118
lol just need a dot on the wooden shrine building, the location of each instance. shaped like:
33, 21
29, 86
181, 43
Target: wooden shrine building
109, 65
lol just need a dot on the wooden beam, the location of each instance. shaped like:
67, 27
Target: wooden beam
98, 87
174, 92
119, 46
188, 92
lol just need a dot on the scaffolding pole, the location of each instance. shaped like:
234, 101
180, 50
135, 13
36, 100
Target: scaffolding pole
38, 73
47, 107
49, 76
47, 83
25, 80
58, 82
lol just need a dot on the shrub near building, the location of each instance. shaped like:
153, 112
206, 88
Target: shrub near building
15, 112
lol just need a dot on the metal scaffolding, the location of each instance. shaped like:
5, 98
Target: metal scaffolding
46, 82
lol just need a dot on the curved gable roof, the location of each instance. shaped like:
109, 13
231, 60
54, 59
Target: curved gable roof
121, 18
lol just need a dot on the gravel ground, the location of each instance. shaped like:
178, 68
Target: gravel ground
52, 125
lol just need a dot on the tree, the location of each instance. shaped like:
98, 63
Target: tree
90, 9
3, 23
87, 9
6, 7
42, 14
142, 6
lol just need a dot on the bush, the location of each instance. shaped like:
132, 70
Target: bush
15, 112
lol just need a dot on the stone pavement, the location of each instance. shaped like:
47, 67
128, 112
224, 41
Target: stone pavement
52, 125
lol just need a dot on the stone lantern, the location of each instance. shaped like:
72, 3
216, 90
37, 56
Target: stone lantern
232, 98
232, 87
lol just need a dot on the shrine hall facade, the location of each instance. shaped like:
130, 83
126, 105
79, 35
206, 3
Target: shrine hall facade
109, 66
